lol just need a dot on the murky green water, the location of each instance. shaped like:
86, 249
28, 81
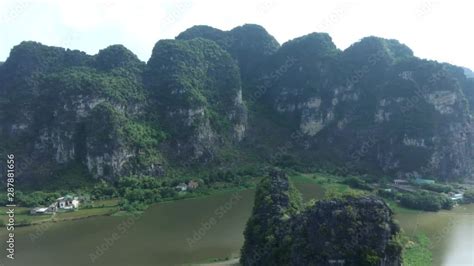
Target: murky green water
451, 233
195, 230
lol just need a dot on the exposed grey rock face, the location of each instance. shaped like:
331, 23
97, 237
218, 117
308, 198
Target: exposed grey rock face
53, 94
375, 106
372, 108
198, 97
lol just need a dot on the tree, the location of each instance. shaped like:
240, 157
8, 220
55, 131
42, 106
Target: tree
469, 196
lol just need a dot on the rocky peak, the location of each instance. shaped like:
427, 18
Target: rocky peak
372, 108
357, 231
249, 44
379, 49
197, 89
33, 57
314, 45
354, 230
116, 56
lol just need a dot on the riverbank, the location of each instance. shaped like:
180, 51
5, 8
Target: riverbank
317, 186
167, 227
107, 207
217, 262
187, 206
330, 186
97, 208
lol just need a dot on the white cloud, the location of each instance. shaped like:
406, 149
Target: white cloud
434, 29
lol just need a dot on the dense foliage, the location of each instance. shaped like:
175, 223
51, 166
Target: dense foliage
34, 199
426, 201
440, 188
138, 192
469, 196
210, 100
358, 230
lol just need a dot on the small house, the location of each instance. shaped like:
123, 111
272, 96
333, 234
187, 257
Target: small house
456, 196
52, 208
192, 185
181, 187
400, 182
67, 203
39, 210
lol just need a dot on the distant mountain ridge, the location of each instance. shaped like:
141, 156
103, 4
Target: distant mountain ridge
222, 99
469, 73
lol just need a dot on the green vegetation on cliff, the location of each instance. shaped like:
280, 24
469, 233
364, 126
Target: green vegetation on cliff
213, 100
354, 230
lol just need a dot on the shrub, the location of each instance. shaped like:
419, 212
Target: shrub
426, 201
355, 182
469, 196
103, 190
437, 188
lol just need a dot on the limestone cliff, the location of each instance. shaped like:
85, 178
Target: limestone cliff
373, 106
213, 98
349, 231
197, 90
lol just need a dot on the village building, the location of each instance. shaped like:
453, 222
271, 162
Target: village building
67, 203
192, 185
39, 210
400, 182
181, 187
456, 196
64, 203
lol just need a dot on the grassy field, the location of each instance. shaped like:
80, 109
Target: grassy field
417, 252
23, 217
396, 208
84, 213
330, 183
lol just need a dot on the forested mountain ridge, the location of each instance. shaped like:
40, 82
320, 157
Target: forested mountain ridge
223, 98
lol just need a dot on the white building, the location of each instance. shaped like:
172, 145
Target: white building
456, 197
181, 187
39, 210
67, 203
63, 203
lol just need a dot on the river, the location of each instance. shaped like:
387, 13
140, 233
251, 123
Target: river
196, 230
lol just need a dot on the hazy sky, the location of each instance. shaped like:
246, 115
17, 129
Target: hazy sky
439, 30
